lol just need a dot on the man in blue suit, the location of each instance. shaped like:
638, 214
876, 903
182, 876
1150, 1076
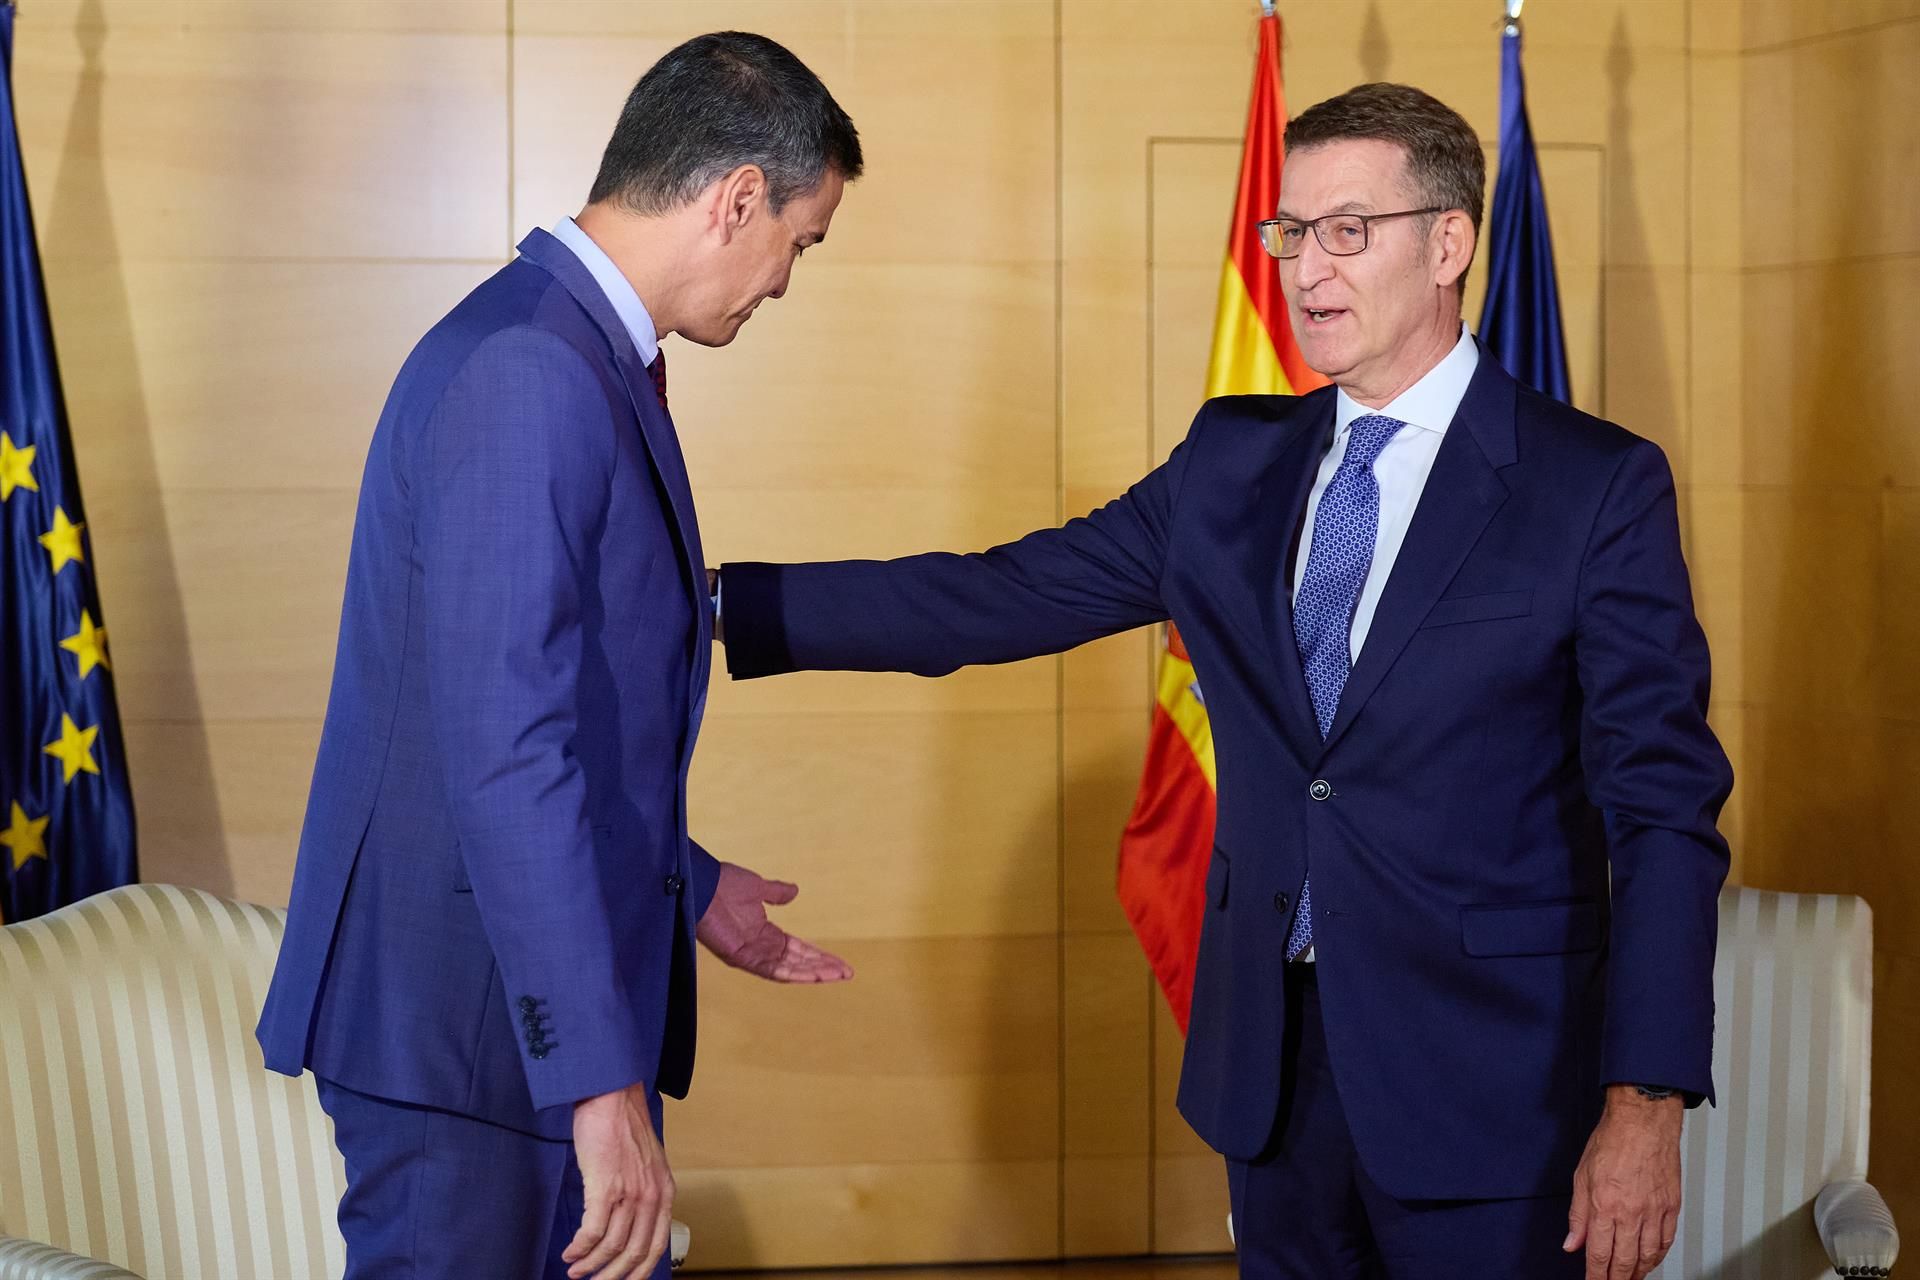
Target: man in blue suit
1455, 976
488, 961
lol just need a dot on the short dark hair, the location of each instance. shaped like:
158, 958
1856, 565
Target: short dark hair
1444, 159
713, 104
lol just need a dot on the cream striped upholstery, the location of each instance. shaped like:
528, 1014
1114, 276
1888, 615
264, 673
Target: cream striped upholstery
137, 1124
25, 1260
1793, 991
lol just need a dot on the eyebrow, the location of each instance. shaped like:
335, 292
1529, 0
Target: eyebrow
1345, 206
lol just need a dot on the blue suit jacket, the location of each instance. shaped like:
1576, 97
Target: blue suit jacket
1529, 710
494, 904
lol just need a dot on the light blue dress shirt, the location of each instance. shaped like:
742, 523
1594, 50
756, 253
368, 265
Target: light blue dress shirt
626, 303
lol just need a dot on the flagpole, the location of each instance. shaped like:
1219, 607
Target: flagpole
1266, 7
1510, 16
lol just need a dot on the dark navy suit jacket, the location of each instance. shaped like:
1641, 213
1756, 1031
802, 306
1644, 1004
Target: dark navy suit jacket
1528, 715
494, 905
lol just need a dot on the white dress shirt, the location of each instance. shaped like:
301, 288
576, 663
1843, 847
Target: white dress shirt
1401, 469
626, 303
1427, 407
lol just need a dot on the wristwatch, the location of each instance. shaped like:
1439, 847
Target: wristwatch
1657, 1092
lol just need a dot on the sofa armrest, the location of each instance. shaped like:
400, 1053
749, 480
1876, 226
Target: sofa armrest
1855, 1227
30, 1260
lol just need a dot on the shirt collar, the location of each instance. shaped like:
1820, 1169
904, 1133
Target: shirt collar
1429, 403
626, 303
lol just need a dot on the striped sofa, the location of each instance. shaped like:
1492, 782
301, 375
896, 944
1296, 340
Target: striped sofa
1775, 1175
140, 1136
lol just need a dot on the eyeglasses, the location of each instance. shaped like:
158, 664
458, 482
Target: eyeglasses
1341, 234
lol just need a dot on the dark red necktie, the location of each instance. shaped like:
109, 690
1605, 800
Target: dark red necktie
658, 370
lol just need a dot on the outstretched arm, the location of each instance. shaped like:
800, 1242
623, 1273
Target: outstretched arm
931, 614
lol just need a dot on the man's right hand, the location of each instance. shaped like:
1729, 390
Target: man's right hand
629, 1188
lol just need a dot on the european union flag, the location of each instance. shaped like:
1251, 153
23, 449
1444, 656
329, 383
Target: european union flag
66, 810
1520, 321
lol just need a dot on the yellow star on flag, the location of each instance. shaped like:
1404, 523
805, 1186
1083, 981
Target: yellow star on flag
63, 540
74, 750
16, 468
26, 837
89, 644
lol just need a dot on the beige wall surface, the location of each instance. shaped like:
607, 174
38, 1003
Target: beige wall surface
1807, 479
250, 209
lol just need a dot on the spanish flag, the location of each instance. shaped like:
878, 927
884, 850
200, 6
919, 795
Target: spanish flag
1169, 838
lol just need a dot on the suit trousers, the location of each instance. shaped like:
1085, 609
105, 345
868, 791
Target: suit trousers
1306, 1209
432, 1195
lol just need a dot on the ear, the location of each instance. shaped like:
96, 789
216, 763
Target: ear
739, 198
1453, 247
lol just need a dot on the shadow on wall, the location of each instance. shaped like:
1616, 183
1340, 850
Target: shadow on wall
181, 833
1640, 393
1829, 698
1376, 53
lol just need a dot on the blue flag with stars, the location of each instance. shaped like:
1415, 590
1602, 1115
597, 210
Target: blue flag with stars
66, 809
1520, 321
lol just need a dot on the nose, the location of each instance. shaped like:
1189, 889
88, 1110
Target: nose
1312, 267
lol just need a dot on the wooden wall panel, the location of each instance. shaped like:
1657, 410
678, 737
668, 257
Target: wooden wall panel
1824, 475
971, 1077
249, 141
897, 825
259, 618
248, 212
966, 1211
259, 376
251, 209
220, 801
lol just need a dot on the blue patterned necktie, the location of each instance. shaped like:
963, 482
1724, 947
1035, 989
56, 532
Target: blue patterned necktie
1344, 528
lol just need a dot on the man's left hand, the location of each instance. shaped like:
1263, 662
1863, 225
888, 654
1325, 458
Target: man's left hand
1626, 1192
736, 929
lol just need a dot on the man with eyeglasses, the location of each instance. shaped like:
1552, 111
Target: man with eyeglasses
1454, 987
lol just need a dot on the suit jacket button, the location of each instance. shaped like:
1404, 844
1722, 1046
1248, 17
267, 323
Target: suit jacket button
1321, 789
675, 884
1281, 902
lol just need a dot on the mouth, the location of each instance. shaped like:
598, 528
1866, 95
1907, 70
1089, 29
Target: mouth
1317, 316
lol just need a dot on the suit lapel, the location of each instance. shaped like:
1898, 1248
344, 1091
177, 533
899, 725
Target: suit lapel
655, 426
1462, 493
1280, 495
656, 429
663, 443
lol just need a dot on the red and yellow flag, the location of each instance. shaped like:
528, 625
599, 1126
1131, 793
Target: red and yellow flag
1164, 852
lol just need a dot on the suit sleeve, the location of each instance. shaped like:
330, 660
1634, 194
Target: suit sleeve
932, 614
705, 876
511, 493
1658, 776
